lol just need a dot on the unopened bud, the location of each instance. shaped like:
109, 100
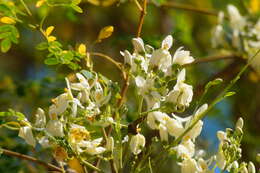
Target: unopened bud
240, 123
244, 170
251, 167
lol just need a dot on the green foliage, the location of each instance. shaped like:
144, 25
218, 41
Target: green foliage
57, 55
20, 116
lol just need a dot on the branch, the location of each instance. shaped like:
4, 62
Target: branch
189, 8
213, 58
117, 64
32, 159
141, 19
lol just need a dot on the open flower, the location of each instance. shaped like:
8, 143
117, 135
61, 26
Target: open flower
189, 165
182, 93
185, 149
162, 58
182, 57
92, 147
40, 118
55, 128
26, 133
137, 143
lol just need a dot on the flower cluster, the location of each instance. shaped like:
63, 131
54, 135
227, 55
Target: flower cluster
230, 152
238, 33
69, 116
89, 108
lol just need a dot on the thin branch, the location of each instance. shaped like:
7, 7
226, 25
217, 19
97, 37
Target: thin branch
189, 8
141, 19
117, 64
124, 90
49, 166
213, 58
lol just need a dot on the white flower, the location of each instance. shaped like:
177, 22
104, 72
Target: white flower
195, 131
40, 118
220, 159
143, 85
138, 45
201, 110
189, 165
60, 104
82, 85
185, 149
92, 147
167, 42
203, 166
99, 96
55, 128
182, 57
155, 118
128, 58
26, 133
162, 58
137, 143
218, 37
44, 141
240, 123
163, 132
174, 127
182, 93
251, 168
236, 20
221, 136
125, 139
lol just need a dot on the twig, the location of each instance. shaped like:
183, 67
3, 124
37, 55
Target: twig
124, 90
141, 19
91, 166
213, 58
189, 8
117, 64
26, 8
32, 159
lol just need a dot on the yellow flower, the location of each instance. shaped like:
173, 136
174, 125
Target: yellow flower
254, 5
47, 34
105, 33
82, 49
40, 3
51, 38
7, 20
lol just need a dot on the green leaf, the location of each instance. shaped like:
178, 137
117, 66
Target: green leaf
76, 8
76, 2
51, 61
42, 46
228, 94
5, 45
74, 66
20, 116
214, 82
5, 35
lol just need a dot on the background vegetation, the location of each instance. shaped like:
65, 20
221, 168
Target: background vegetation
26, 83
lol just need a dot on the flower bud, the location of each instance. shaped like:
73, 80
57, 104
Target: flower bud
240, 123
251, 167
137, 143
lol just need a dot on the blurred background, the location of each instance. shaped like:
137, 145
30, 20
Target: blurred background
27, 83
